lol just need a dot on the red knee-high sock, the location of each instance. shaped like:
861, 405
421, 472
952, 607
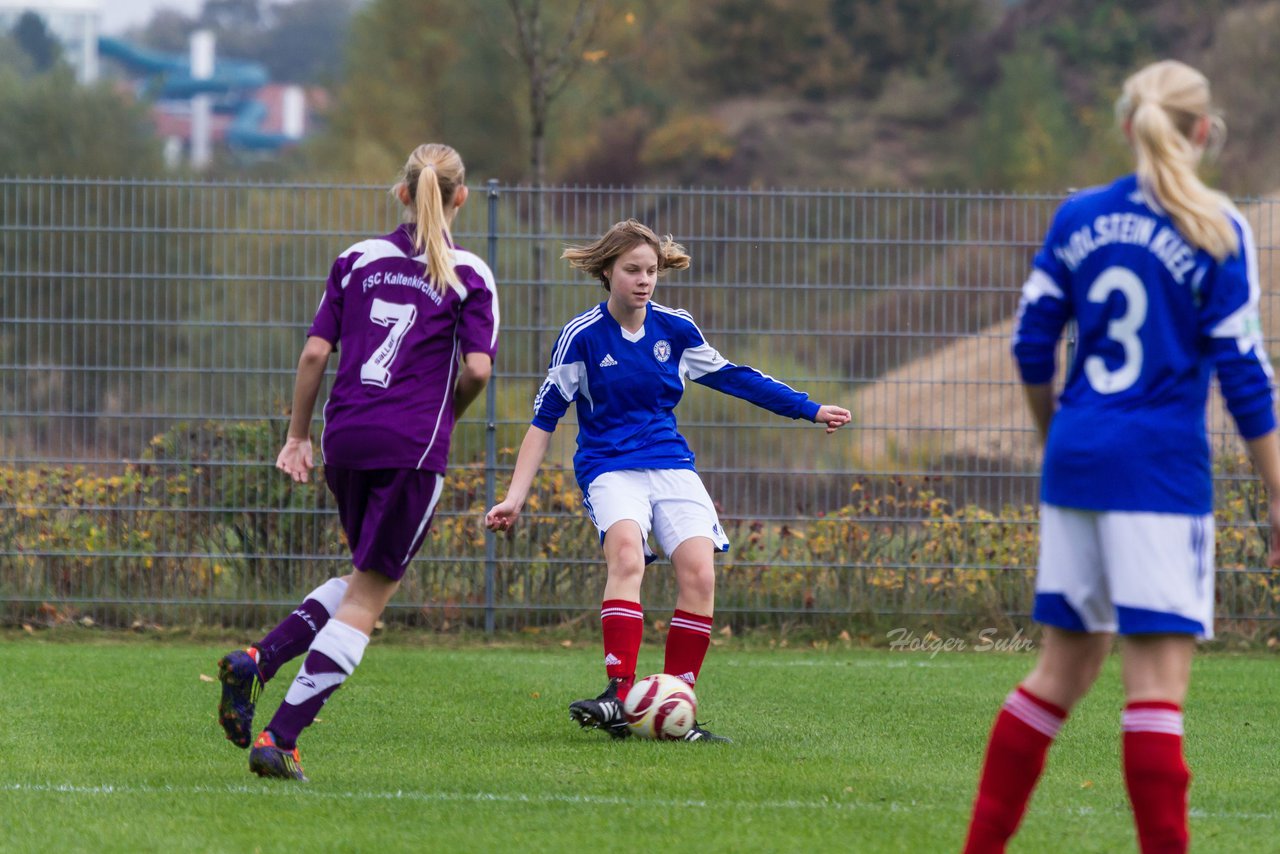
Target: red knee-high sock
1020, 740
622, 626
1156, 776
687, 642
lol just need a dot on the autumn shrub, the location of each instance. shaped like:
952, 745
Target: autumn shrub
72, 533
244, 511
203, 517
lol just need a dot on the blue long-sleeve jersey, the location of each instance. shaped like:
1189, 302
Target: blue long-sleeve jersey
626, 386
1156, 317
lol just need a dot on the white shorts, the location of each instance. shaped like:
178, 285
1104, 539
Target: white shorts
672, 503
1131, 573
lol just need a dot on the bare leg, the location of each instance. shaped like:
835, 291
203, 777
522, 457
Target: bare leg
1068, 665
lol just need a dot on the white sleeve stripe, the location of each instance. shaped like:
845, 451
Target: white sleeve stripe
370, 251
1237, 324
1244, 324
1040, 284
1250, 267
568, 379
728, 364
699, 361
681, 313
470, 259
1250, 256
696, 361
571, 329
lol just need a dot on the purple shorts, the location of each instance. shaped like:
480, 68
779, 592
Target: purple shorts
385, 513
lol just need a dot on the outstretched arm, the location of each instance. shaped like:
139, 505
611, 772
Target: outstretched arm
295, 458
534, 447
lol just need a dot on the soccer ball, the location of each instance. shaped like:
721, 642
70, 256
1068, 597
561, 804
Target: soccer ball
661, 706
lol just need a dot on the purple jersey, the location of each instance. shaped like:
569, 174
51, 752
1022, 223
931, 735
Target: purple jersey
400, 342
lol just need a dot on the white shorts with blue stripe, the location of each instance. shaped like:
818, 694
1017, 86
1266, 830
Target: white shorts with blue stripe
672, 503
1125, 572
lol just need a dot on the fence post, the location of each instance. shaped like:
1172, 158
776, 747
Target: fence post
491, 436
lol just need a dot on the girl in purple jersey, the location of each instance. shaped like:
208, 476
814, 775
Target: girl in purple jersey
1159, 273
416, 319
624, 363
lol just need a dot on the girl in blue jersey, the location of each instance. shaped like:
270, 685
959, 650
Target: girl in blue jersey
624, 364
416, 318
1160, 276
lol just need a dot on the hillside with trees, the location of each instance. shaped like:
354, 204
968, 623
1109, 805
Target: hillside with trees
796, 93
928, 94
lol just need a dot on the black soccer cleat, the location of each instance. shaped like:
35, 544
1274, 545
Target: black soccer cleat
697, 733
604, 712
241, 684
267, 759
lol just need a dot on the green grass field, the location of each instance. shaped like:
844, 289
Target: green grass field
113, 745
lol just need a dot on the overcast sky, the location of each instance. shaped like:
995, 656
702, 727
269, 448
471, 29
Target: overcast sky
120, 15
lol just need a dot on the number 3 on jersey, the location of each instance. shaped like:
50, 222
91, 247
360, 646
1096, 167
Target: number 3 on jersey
377, 368
1123, 330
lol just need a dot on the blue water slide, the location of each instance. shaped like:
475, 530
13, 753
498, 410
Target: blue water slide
244, 131
232, 83
174, 70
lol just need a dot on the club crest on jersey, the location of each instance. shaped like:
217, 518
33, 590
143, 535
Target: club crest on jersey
662, 350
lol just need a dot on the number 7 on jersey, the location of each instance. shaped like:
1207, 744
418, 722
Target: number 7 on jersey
399, 317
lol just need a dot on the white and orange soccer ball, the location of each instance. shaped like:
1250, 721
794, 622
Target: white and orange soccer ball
661, 706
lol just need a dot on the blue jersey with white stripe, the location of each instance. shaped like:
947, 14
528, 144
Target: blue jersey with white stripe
1155, 317
626, 386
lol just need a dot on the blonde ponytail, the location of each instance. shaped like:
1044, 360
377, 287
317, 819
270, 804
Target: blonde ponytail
1161, 106
432, 177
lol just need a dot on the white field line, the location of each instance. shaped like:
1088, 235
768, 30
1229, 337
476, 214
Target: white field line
304, 791
909, 659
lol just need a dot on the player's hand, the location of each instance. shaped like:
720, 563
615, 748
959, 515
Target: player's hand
502, 516
295, 459
834, 417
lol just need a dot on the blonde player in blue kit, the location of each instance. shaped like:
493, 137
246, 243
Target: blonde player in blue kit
624, 364
1160, 275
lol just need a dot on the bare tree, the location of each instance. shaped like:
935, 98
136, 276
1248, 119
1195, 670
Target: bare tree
549, 63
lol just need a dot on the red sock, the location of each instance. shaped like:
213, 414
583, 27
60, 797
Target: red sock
622, 625
687, 642
1020, 740
1156, 775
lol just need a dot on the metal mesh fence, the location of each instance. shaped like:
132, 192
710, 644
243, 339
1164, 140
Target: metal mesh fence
149, 333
